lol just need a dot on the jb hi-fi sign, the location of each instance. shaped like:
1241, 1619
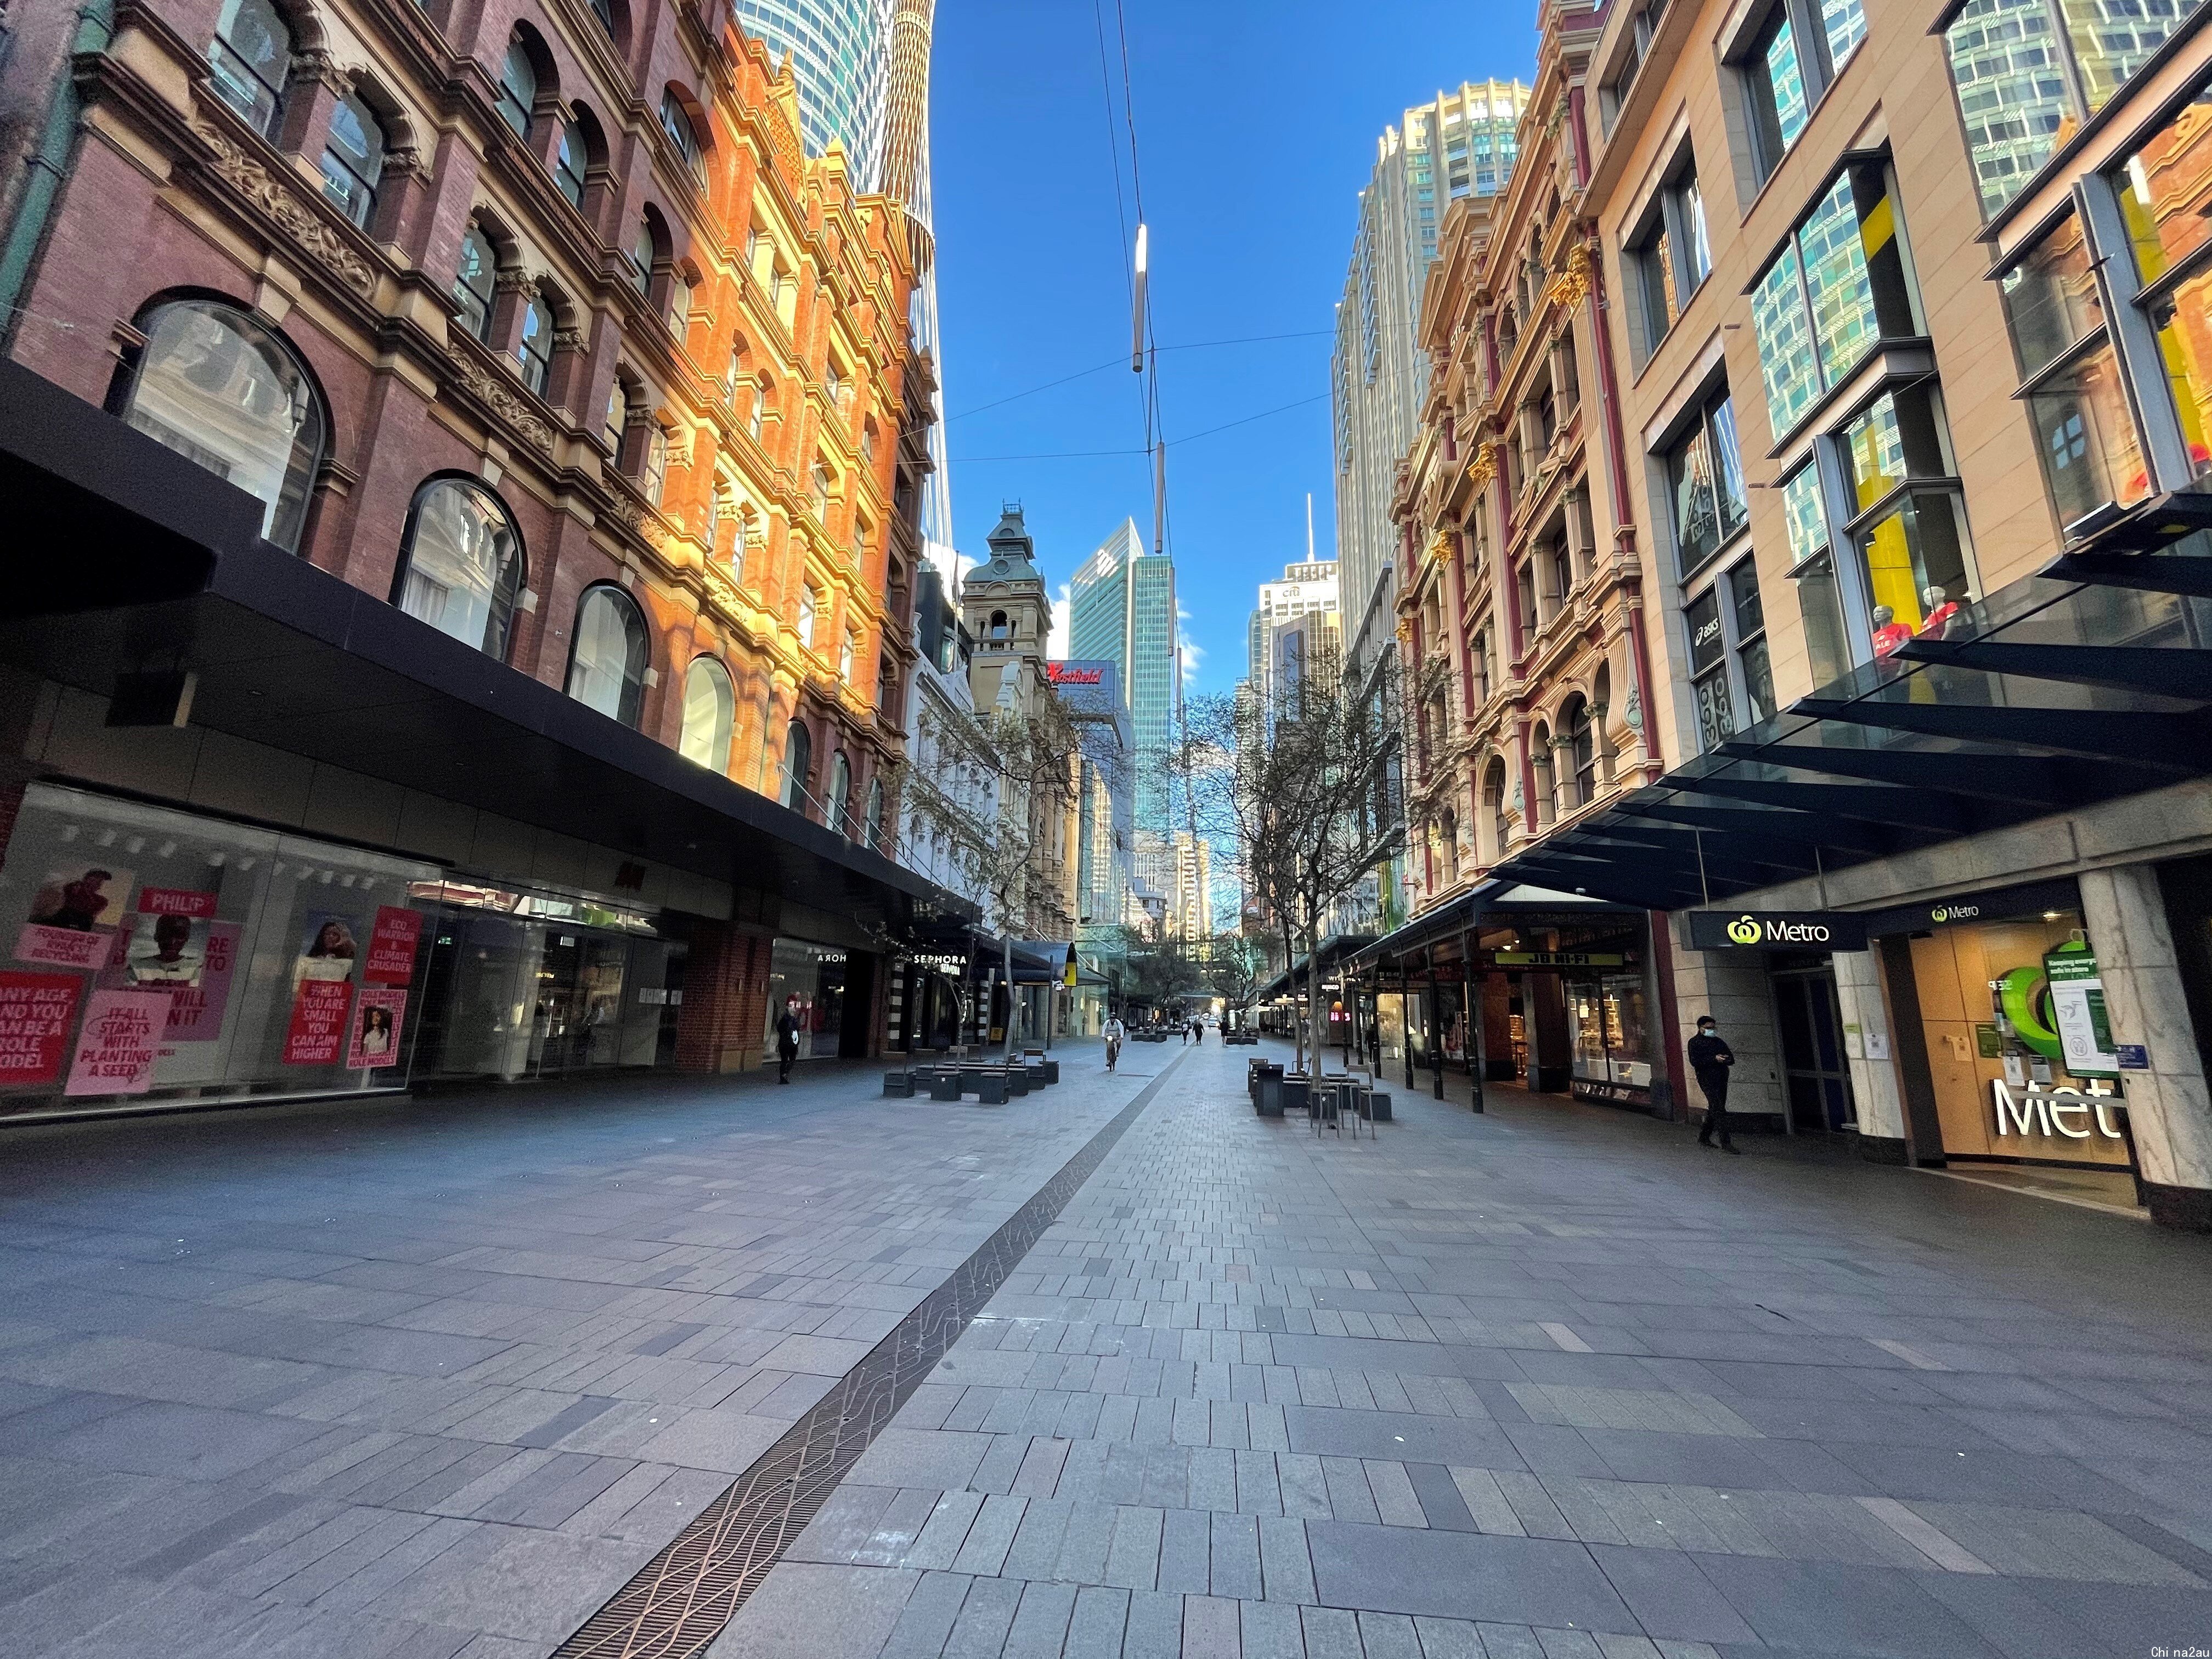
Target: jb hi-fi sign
1776, 930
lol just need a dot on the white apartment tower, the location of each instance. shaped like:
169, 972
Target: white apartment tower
1303, 589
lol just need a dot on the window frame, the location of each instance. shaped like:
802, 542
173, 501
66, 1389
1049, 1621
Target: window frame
1813, 46
476, 304
506, 590
1667, 237
725, 716
520, 116
630, 700
358, 201
537, 325
265, 122
1728, 672
1697, 424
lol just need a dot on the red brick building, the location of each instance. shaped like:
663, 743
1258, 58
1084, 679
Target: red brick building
570, 415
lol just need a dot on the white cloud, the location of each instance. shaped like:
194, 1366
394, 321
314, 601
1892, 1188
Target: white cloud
1063, 608
1192, 655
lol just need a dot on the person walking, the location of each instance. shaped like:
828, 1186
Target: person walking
787, 1039
1711, 1058
1113, 1033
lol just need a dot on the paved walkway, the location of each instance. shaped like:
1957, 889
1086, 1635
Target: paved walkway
1551, 1384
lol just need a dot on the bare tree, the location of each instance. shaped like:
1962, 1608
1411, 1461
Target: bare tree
1303, 785
1233, 965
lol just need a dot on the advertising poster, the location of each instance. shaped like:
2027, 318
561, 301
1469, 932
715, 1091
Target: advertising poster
377, 1013
195, 1011
73, 915
115, 1050
35, 1011
317, 1035
392, 946
2077, 1009
327, 949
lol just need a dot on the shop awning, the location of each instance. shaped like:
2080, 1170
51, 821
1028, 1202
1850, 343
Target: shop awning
2086, 682
1498, 897
132, 561
1334, 950
1036, 961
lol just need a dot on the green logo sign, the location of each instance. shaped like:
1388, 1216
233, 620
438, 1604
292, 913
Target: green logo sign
1744, 930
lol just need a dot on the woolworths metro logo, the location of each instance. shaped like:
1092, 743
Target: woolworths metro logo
1776, 930
1744, 930
1954, 912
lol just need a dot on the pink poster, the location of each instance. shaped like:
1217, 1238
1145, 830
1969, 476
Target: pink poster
317, 1034
63, 947
195, 1011
176, 902
377, 1014
73, 916
392, 946
35, 1010
115, 1051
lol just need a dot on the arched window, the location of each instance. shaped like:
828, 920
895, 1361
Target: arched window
606, 660
757, 416
845, 653
807, 614
535, 353
518, 86
840, 794
1493, 803
679, 304
352, 161
998, 624
216, 384
1601, 701
605, 11
1545, 808
822, 481
1448, 837
251, 55
734, 372
617, 417
571, 161
677, 124
798, 766
709, 706
1582, 750
656, 464
875, 820
748, 528
460, 564
472, 283
644, 249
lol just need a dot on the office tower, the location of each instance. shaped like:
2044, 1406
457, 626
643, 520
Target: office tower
1190, 899
862, 68
1123, 611
1307, 587
1461, 143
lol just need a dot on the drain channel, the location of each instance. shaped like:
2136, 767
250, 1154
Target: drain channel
679, 1601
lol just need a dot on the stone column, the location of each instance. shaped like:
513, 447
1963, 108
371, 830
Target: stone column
1874, 1093
2168, 1106
1731, 987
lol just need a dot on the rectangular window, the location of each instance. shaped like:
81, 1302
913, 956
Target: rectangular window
2170, 240
1792, 56
1842, 285
2009, 62
1731, 681
1671, 255
1709, 669
1704, 483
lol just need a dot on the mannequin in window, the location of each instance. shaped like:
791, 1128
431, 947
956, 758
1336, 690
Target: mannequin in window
1940, 608
1889, 633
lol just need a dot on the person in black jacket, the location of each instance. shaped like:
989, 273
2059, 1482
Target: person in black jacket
1711, 1058
787, 1039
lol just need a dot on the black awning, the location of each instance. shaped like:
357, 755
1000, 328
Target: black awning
135, 560
1505, 897
2087, 681
1334, 950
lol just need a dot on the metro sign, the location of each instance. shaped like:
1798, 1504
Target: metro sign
1776, 930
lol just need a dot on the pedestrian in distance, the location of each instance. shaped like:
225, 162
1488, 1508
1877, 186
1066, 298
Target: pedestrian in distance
787, 1039
1113, 1033
1711, 1059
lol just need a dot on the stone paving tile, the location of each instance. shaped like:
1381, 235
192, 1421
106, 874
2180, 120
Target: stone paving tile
1542, 1384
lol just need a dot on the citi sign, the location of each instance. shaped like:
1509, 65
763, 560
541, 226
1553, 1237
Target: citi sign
1775, 930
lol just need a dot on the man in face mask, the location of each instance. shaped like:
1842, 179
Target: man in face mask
1711, 1058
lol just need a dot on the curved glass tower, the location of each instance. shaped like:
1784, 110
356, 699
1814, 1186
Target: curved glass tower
840, 53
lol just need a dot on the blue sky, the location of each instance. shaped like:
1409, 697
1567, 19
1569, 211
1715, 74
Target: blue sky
1255, 128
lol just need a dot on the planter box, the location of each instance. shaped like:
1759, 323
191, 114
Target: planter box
899, 1084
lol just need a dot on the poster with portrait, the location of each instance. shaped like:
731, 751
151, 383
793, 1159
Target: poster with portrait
73, 915
317, 1033
119, 1042
35, 1011
378, 1012
195, 1011
329, 948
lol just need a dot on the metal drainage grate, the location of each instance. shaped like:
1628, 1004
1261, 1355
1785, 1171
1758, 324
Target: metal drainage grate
679, 1601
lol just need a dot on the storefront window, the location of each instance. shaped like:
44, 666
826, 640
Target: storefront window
1912, 538
165, 958
1611, 1040
810, 980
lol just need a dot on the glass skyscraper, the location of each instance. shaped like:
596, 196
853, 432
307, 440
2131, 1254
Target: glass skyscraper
1122, 610
840, 53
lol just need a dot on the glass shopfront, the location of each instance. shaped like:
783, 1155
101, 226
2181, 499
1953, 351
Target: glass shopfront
2018, 1058
814, 979
1610, 1032
526, 983
159, 957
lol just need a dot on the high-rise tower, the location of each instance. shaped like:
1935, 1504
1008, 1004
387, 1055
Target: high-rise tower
1122, 610
1461, 143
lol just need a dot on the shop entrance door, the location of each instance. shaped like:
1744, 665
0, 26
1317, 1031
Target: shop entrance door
1815, 1071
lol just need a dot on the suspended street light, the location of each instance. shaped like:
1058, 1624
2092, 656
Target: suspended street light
1136, 308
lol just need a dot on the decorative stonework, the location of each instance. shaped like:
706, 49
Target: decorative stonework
279, 202
508, 404
1483, 467
1572, 286
514, 281
317, 65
